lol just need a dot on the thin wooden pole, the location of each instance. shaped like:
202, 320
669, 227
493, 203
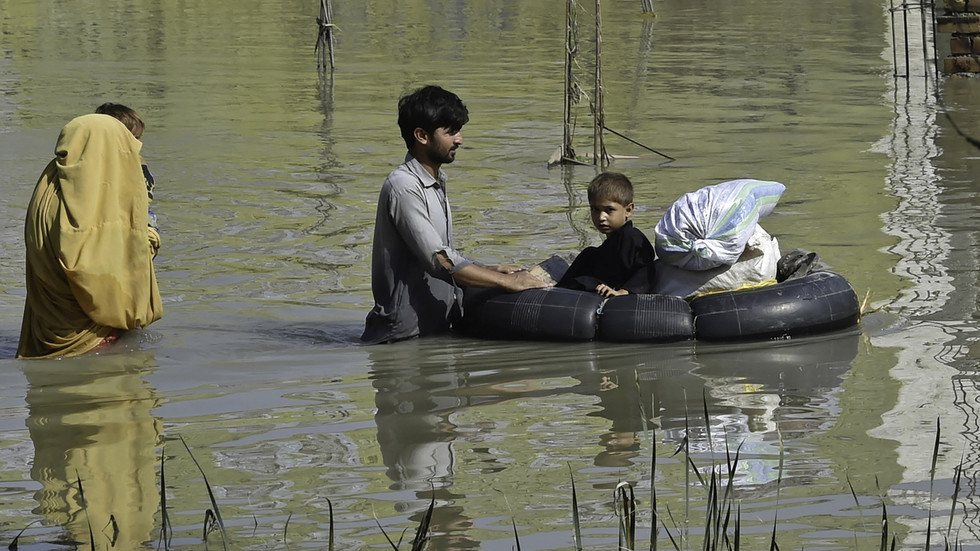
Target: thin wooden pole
925, 41
568, 151
598, 148
891, 15
935, 46
905, 33
324, 42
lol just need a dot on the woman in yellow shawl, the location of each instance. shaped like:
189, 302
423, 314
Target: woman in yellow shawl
89, 247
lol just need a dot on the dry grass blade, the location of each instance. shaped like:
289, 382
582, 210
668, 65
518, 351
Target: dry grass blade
385, 533
81, 498
956, 494
711, 514
624, 501
422, 534
15, 543
576, 523
724, 527
773, 546
166, 528
932, 480
884, 519
209, 522
729, 498
667, 530
214, 502
864, 304
687, 461
330, 532
115, 530
513, 522
694, 467
654, 526
732, 469
856, 502
738, 527
707, 425
639, 400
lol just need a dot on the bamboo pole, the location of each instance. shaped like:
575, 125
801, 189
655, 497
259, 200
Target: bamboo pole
891, 15
324, 41
598, 147
568, 152
905, 33
925, 42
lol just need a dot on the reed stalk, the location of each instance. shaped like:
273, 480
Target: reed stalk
576, 524
624, 502
422, 534
330, 533
932, 480
166, 528
214, 511
81, 499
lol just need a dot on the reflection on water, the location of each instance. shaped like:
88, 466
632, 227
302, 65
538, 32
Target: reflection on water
95, 442
438, 412
268, 178
931, 309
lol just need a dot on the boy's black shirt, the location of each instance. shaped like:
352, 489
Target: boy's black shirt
623, 261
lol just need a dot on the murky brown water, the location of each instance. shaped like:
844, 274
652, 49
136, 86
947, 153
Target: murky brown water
267, 177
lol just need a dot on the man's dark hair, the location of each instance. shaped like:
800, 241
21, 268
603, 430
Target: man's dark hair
430, 108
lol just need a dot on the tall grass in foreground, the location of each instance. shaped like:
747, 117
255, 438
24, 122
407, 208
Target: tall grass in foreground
721, 530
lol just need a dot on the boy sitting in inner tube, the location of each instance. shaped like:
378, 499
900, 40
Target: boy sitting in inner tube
623, 263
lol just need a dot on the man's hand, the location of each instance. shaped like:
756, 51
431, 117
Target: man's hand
521, 280
508, 278
609, 292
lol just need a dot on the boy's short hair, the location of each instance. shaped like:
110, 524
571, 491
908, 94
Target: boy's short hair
611, 186
125, 115
430, 108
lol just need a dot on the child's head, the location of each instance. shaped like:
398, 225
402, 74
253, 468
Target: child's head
125, 115
610, 201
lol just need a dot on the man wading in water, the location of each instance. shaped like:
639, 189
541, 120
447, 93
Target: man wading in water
416, 274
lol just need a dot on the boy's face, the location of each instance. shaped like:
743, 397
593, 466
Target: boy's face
608, 215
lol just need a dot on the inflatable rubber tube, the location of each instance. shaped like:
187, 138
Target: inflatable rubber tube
657, 318
542, 314
817, 303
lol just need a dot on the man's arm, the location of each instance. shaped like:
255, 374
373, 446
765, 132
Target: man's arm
474, 275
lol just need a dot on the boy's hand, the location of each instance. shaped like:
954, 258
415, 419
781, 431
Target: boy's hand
609, 292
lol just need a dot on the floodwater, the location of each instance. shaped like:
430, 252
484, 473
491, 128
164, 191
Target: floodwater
253, 384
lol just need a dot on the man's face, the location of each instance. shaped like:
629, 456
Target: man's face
442, 144
608, 215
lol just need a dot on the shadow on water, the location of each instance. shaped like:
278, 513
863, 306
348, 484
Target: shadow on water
95, 445
8, 345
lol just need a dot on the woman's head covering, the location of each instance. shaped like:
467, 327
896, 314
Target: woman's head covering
89, 255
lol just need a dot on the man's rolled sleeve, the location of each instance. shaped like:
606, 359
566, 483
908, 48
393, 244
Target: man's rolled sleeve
415, 214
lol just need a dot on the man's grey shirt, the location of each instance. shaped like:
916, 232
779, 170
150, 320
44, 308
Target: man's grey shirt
413, 293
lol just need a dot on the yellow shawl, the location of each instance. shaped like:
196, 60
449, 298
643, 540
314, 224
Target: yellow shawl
89, 248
